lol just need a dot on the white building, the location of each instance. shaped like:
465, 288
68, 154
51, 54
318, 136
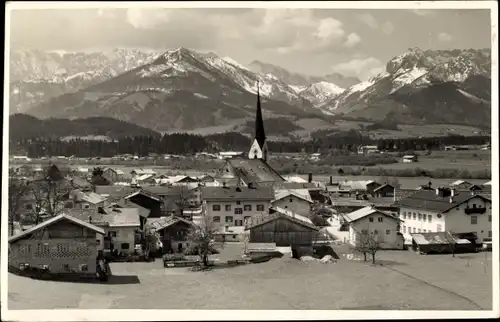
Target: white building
230, 206
296, 200
229, 154
381, 226
446, 209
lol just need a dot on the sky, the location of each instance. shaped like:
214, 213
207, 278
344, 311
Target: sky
352, 42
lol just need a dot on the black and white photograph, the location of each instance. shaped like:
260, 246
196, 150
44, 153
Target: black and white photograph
250, 160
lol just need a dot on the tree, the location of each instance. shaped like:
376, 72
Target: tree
367, 244
150, 240
98, 179
17, 190
202, 240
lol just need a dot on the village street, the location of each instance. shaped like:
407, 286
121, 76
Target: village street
405, 281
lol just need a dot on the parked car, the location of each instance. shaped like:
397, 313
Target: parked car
487, 244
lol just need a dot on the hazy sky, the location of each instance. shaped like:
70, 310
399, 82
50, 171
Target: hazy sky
319, 41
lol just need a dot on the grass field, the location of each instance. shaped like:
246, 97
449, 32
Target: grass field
405, 281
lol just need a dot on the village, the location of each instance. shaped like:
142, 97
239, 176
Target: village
79, 223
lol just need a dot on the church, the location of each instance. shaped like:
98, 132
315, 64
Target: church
252, 171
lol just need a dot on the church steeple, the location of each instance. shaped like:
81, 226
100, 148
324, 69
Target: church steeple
258, 150
260, 134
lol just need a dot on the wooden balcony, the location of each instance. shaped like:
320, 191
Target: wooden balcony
470, 211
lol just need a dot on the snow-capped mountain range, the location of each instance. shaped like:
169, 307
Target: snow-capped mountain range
186, 89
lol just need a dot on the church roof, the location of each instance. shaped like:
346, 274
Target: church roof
254, 170
260, 134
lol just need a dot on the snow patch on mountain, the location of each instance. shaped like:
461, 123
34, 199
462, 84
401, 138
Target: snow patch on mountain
234, 62
406, 77
200, 95
297, 88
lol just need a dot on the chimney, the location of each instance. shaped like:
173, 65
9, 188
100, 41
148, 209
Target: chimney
331, 180
437, 191
451, 199
310, 178
453, 192
90, 219
223, 184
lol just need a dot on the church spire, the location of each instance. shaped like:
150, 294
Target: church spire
260, 134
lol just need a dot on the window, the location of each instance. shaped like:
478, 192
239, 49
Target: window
489, 218
425, 217
370, 219
430, 218
125, 245
260, 207
404, 229
238, 202
216, 207
419, 230
414, 230
228, 207
229, 218
247, 218
489, 233
111, 233
473, 220
29, 206
419, 216
387, 232
291, 200
238, 211
247, 207
98, 241
216, 219
86, 206
474, 206
380, 219
438, 227
404, 214
238, 222
414, 216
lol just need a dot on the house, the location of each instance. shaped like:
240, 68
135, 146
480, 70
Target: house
297, 200
367, 149
80, 183
446, 209
173, 232
114, 192
284, 228
140, 172
460, 184
385, 190
359, 186
315, 156
231, 206
85, 200
119, 226
409, 158
21, 158
147, 178
147, 200
381, 226
113, 175
487, 183
62, 244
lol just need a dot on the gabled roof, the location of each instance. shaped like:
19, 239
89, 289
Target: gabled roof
165, 222
114, 190
254, 170
84, 215
487, 183
299, 193
240, 193
123, 217
54, 220
145, 176
429, 200
144, 193
364, 212
295, 179
90, 197
276, 213
143, 212
383, 186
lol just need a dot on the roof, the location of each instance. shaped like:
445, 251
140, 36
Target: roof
254, 170
428, 200
122, 217
232, 193
121, 203
143, 171
164, 190
295, 179
117, 171
165, 222
355, 185
142, 192
145, 176
364, 212
80, 182
114, 190
90, 197
383, 186
85, 214
53, 220
263, 247
434, 238
299, 193
459, 182
487, 183
256, 221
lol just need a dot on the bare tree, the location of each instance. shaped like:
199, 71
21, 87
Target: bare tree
17, 191
367, 244
202, 240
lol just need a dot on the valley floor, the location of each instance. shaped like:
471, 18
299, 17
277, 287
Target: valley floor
404, 281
